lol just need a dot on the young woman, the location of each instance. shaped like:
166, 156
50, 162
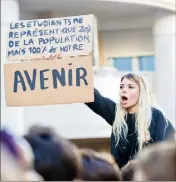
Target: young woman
136, 120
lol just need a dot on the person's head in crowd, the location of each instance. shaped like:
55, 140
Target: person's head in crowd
98, 166
11, 168
16, 159
172, 136
28, 160
127, 171
157, 163
44, 132
55, 160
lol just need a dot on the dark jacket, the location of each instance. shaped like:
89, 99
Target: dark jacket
125, 150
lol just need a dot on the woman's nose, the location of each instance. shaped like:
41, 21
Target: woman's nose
124, 90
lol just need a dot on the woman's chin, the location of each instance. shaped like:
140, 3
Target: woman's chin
124, 106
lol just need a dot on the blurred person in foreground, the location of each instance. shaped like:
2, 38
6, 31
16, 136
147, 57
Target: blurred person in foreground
136, 119
127, 171
98, 166
16, 159
157, 163
56, 159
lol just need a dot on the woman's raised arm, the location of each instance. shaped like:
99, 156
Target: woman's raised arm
103, 106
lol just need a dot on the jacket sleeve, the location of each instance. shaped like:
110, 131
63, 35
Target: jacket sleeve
164, 129
103, 106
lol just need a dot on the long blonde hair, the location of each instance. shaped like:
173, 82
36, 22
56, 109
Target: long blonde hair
143, 115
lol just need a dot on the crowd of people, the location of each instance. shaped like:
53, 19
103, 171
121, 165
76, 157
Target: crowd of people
43, 155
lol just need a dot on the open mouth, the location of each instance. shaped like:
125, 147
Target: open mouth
124, 98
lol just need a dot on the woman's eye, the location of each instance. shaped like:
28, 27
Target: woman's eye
121, 87
131, 87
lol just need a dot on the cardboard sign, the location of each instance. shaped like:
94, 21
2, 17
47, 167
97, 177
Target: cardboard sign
49, 82
33, 39
68, 79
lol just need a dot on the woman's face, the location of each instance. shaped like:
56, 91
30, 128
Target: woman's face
129, 93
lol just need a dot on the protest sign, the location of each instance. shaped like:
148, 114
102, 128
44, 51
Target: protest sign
72, 41
49, 82
33, 39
